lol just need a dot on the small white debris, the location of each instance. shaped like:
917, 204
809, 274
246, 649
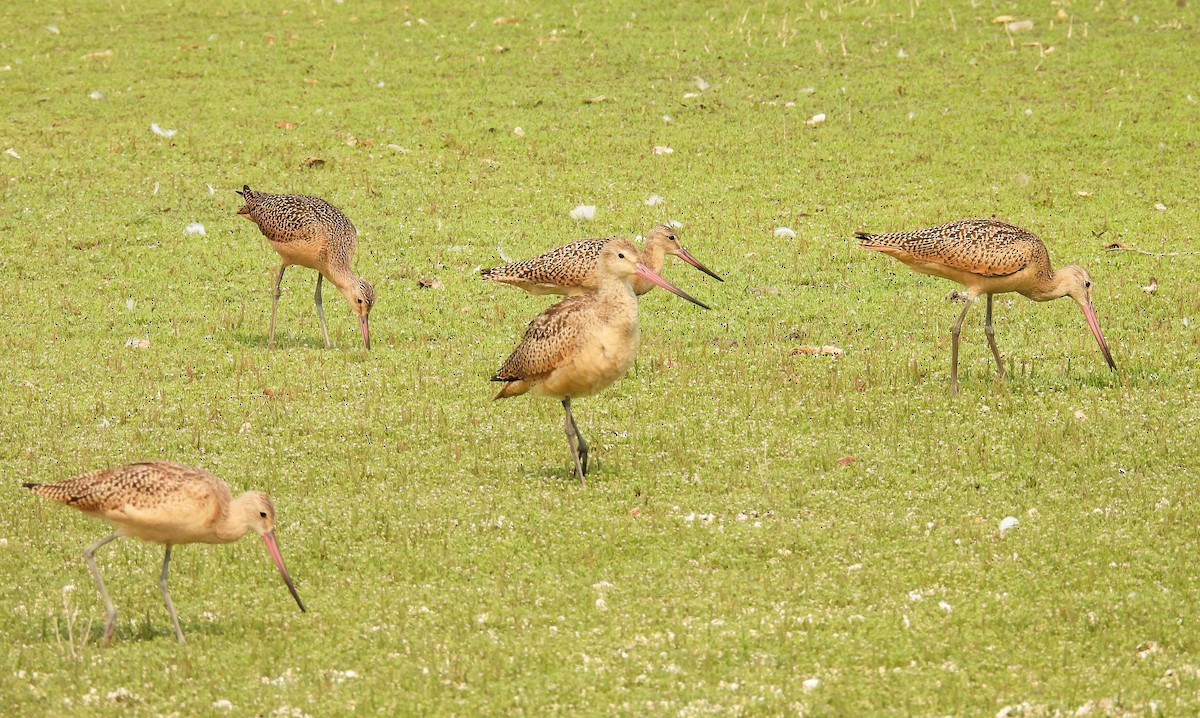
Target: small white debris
245, 427
121, 695
223, 705
129, 304
1018, 25
1029, 112
700, 83
854, 567
397, 148
679, 225
160, 131
668, 118
654, 200
662, 150
138, 342
815, 119
811, 683
584, 211
53, 29
12, 153
503, 255
96, 95
901, 54
212, 190
945, 606
195, 228
1080, 415
690, 95
785, 232
1008, 522
602, 585
1160, 206
518, 132
601, 604
808, 90
1151, 287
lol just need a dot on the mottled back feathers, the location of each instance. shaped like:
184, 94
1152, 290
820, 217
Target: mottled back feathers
987, 247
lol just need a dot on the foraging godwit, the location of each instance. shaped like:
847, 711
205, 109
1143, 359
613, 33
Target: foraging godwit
585, 342
989, 257
571, 268
168, 503
312, 233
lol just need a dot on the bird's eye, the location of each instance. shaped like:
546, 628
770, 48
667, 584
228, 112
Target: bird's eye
263, 514
1087, 284
360, 301
621, 255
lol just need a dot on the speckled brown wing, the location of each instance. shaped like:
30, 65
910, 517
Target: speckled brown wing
987, 247
287, 218
571, 265
144, 485
551, 338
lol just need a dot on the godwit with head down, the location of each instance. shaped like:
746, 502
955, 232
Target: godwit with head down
584, 343
312, 233
168, 503
572, 268
989, 257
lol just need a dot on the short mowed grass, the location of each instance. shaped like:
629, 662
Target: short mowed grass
727, 557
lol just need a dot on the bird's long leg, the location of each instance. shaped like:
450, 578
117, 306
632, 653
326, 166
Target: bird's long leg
320, 309
575, 441
991, 337
275, 306
954, 332
166, 593
89, 555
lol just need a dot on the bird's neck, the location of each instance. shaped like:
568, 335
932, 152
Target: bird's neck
1050, 286
232, 524
653, 256
617, 292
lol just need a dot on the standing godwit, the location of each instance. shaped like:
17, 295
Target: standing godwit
584, 343
312, 233
571, 268
170, 504
989, 257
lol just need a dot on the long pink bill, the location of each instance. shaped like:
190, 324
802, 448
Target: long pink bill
1094, 325
648, 274
687, 257
366, 331
273, 547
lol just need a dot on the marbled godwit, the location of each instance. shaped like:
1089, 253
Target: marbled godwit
571, 268
584, 343
170, 504
989, 257
312, 233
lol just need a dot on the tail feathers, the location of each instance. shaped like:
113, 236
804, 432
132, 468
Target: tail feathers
30, 486
866, 240
514, 387
489, 273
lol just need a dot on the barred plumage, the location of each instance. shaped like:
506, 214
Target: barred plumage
988, 257
169, 503
584, 343
572, 268
310, 232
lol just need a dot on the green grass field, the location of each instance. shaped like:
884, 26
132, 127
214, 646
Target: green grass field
720, 561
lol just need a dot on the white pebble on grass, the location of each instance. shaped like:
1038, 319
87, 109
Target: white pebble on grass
811, 684
654, 200
1008, 523
786, 232
584, 211
223, 705
154, 127
195, 228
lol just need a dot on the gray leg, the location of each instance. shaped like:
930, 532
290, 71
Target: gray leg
579, 448
991, 336
954, 332
320, 309
166, 594
275, 306
89, 555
